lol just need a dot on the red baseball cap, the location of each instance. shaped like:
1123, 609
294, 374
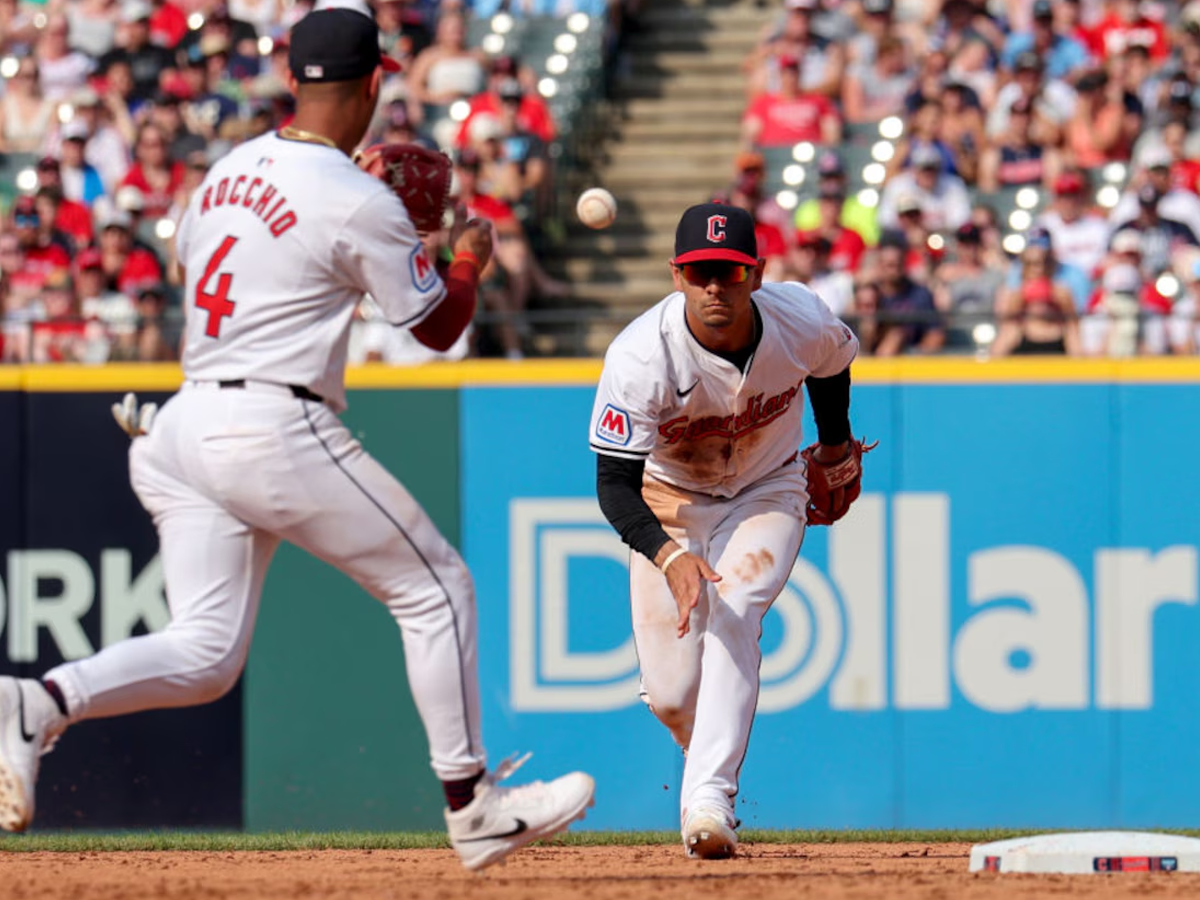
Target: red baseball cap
1069, 183
88, 258
716, 231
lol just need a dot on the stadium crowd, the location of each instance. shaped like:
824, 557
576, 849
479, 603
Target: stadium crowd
1083, 111
113, 110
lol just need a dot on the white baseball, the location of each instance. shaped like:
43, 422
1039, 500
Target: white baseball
596, 208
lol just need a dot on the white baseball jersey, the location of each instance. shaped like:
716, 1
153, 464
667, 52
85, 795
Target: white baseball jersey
699, 422
280, 243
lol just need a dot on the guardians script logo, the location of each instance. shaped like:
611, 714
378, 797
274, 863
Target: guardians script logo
758, 412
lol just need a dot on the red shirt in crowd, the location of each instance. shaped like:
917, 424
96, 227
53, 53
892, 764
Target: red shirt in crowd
168, 25
74, 219
41, 261
770, 240
533, 116
139, 270
1112, 35
789, 121
158, 203
482, 206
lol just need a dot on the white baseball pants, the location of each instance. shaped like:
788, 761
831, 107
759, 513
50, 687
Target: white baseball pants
229, 473
704, 686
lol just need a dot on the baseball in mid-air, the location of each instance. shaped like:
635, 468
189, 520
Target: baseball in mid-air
596, 208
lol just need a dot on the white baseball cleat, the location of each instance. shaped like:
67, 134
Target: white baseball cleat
501, 820
707, 835
29, 725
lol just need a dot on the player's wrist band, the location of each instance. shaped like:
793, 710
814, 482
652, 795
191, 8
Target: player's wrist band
678, 552
466, 256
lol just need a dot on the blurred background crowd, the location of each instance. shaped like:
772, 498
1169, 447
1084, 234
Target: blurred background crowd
113, 110
996, 178
979, 176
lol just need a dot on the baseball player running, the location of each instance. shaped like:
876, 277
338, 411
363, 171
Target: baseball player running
697, 425
279, 244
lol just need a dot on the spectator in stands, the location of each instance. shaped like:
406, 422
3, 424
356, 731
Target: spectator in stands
70, 217
1078, 234
1114, 325
62, 71
1139, 79
25, 114
969, 38
205, 108
984, 217
846, 246
22, 283
791, 115
78, 178
908, 321
127, 267
1037, 315
93, 26
1183, 326
18, 27
505, 89
221, 27
69, 223
924, 127
101, 143
1053, 100
153, 172
1174, 203
852, 215
809, 262
45, 249
156, 338
1185, 168
876, 90
507, 281
876, 21
168, 24
1062, 54
445, 71
823, 60
965, 288
147, 62
1015, 158
750, 171
1105, 123
1160, 237
943, 197
397, 126
116, 312
961, 129
165, 113
1175, 111
1124, 23
60, 334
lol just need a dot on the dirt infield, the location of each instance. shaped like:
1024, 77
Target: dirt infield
771, 871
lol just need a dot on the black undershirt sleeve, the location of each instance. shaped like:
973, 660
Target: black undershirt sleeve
830, 399
619, 490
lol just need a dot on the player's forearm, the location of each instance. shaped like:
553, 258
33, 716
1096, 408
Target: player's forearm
442, 327
619, 490
830, 399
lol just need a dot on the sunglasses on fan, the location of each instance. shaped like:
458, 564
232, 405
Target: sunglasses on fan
727, 274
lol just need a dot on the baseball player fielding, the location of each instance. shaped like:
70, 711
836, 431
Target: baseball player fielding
596, 208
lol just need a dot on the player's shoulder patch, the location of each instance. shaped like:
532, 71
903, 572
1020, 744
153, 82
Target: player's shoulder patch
613, 425
424, 274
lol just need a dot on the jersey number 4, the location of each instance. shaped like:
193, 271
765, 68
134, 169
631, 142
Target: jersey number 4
217, 304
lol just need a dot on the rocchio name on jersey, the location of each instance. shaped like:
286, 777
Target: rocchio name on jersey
252, 193
756, 415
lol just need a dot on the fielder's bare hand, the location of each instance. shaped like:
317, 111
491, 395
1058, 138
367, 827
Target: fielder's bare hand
475, 238
686, 575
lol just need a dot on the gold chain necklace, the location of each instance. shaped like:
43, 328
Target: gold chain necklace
290, 133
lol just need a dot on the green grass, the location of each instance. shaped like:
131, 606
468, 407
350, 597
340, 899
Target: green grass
78, 842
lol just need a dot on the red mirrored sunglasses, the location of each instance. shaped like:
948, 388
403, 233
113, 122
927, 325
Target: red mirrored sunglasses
727, 274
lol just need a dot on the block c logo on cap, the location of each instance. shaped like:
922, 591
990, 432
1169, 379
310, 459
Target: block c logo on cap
716, 229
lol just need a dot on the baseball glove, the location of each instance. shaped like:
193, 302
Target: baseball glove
833, 486
420, 177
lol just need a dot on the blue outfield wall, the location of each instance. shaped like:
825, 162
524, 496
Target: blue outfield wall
1003, 633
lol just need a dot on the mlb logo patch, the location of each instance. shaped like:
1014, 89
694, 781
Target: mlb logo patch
314, 71
613, 426
424, 275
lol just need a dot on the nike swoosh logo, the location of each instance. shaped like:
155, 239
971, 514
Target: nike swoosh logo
519, 828
688, 391
25, 735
